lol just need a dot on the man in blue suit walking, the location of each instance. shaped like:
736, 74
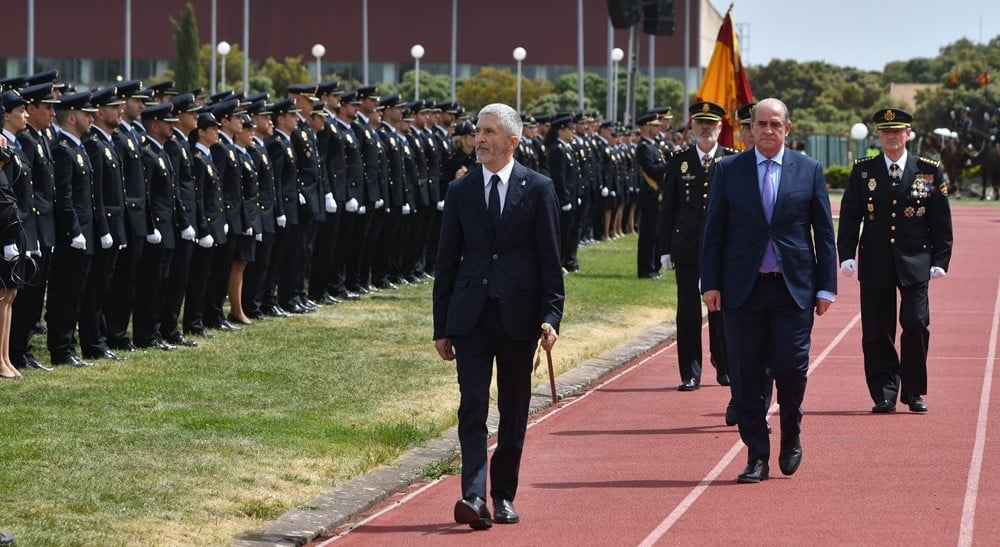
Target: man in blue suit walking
768, 260
498, 287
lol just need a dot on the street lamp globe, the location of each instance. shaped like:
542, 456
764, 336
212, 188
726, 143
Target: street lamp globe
318, 50
520, 53
617, 54
223, 48
417, 51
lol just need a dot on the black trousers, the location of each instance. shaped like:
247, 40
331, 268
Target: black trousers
278, 255
324, 251
218, 284
388, 251
70, 269
255, 276
649, 211
26, 311
202, 260
348, 245
119, 303
373, 233
689, 351
433, 236
175, 287
568, 235
887, 372
148, 313
476, 352
292, 282
93, 327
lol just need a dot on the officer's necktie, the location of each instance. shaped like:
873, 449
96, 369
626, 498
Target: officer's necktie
770, 262
494, 204
894, 173
706, 161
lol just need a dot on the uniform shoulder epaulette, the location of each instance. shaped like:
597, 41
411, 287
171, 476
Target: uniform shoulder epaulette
730, 150
864, 159
928, 161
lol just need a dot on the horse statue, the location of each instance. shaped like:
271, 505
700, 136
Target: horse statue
945, 146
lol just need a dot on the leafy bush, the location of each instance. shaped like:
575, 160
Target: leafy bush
837, 176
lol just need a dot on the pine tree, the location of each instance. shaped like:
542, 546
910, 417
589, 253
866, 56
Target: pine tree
188, 72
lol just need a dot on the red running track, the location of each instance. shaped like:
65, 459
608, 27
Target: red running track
635, 462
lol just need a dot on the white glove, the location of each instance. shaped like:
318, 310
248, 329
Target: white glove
10, 252
79, 242
120, 247
848, 267
188, 233
282, 221
259, 237
154, 237
106, 241
579, 202
604, 191
613, 194
666, 262
361, 210
406, 209
567, 207
351, 205
37, 251
225, 228
379, 203
331, 204
440, 205
302, 199
936, 271
249, 231
206, 242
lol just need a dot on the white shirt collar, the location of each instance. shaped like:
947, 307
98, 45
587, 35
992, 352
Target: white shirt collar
504, 173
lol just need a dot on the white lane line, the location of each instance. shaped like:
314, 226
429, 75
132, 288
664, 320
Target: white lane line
697, 491
976, 464
531, 424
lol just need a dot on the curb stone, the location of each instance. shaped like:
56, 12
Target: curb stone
347, 501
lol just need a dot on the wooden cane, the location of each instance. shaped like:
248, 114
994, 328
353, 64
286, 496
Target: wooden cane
552, 377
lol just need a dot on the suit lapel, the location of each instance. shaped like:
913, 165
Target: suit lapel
515, 187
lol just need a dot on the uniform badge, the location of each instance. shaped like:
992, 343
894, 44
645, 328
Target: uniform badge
684, 167
349, 139
944, 189
308, 154
871, 207
107, 154
209, 170
184, 153
406, 150
79, 160
264, 159
163, 164
909, 212
246, 165
921, 211
871, 185
303, 135
290, 153
131, 145
232, 156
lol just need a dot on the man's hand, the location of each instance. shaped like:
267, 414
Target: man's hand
79, 242
445, 349
549, 337
206, 242
154, 238
712, 300
351, 205
106, 241
822, 304
282, 220
329, 203
848, 267
666, 262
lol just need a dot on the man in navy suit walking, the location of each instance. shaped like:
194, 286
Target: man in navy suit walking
498, 287
768, 260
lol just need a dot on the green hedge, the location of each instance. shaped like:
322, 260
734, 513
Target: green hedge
837, 176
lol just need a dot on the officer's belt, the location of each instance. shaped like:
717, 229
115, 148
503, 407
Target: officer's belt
649, 180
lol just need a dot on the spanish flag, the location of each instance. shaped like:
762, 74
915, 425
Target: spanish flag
725, 81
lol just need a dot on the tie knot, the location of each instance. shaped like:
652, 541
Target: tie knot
495, 179
894, 169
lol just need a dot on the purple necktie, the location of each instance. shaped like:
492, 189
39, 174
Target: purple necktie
770, 261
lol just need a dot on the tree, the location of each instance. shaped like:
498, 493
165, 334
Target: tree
432, 86
490, 85
188, 72
284, 73
234, 66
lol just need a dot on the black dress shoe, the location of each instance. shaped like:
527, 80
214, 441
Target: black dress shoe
504, 512
294, 308
755, 471
6, 539
181, 340
791, 454
884, 407
722, 378
386, 285
71, 360
732, 413
200, 333
328, 300
347, 295
157, 343
473, 511
275, 311
106, 354
916, 404
688, 385
29, 361
121, 345
258, 315
226, 326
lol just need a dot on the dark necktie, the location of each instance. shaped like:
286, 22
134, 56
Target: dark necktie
894, 173
494, 205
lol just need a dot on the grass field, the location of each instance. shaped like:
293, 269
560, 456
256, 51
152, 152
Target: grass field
197, 445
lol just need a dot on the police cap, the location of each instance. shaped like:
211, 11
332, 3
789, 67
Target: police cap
745, 113
207, 119
76, 101
39, 93
648, 119
464, 128
184, 103
106, 96
707, 110
164, 112
284, 106
11, 99
892, 118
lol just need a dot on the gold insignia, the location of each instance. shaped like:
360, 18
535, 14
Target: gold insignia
349, 139
871, 185
864, 174
889, 115
232, 156
209, 170
684, 167
304, 136
944, 190
163, 164
41, 150
871, 207
264, 159
921, 211
107, 154
908, 212
406, 150
290, 153
79, 159
246, 164
705, 108
131, 145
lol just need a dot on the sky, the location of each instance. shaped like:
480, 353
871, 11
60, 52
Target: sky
865, 34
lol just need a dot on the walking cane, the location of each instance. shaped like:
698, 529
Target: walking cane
548, 358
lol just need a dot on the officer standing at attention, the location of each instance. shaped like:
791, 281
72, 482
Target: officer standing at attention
682, 214
652, 166
902, 200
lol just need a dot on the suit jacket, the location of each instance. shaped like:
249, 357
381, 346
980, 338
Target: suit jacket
907, 227
109, 186
129, 146
74, 203
161, 178
736, 230
523, 256
38, 156
209, 206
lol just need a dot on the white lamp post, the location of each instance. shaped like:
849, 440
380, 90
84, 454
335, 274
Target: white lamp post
616, 56
318, 52
223, 50
519, 54
417, 52
858, 132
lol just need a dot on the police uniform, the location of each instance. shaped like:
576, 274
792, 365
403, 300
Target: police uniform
350, 193
255, 277
280, 276
682, 214
652, 168
564, 170
376, 193
907, 233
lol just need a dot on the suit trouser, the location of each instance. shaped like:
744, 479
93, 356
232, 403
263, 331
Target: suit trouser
324, 251
649, 211
149, 302
119, 303
27, 308
218, 284
476, 352
769, 332
70, 270
568, 231
255, 275
175, 287
688, 318
298, 260
433, 236
93, 328
194, 295
886, 372
279, 252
